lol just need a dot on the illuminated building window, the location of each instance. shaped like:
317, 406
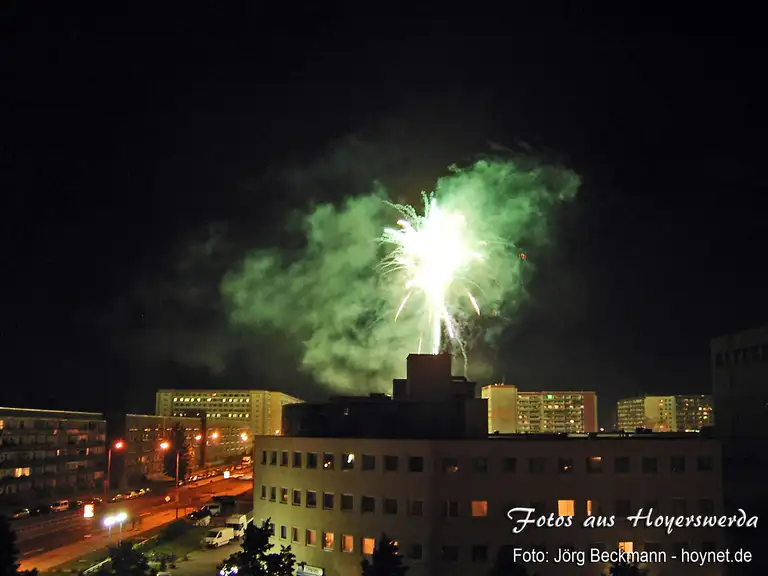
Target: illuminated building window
347, 543
479, 508
310, 537
594, 464
283, 495
627, 547
328, 461
565, 465
450, 465
328, 540
566, 508
369, 544
347, 461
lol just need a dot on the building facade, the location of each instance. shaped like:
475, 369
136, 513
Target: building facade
208, 443
502, 408
47, 452
446, 501
260, 410
680, 413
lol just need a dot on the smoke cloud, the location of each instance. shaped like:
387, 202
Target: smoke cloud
329, 298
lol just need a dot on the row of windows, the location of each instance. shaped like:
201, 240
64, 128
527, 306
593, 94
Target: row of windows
536, 465
743, 356
475, 508
448, 553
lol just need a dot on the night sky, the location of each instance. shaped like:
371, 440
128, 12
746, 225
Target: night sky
127, 141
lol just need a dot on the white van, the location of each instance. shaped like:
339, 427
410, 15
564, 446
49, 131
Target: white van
60, 506
214, 508
238, 523
219, 537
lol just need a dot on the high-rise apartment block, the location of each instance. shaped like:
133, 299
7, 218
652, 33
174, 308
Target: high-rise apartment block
680, 413
261, 410
513, 412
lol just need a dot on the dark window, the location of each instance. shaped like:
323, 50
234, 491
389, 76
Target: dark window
311, 460
283, 458
707, 506
537, 465
368, 504
540, 506
480, 464
283, 532
390, 506
263, 492
369, 462
621, 465
623, 508
347, 502
565, 465
652, 547
297, 497
391, 463
449, 464
678, 507
650, 465
479, 553
283, 495
594, 465
415, 552
450, 553
347, 461
297, 459
273, 458
272, 493
263, 456
415, 464
704, 463
311, 499
328, 461
509, 465
677, 464
416, 508
450, 509
328, 501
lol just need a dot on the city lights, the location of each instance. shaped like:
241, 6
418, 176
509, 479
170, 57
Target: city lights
214, 435
198, 437
244, 437
119, 445
88, 511
110, 521
165, 445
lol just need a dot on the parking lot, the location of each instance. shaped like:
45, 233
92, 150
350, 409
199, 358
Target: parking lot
205, 562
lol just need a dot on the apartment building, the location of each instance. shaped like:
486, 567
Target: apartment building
260, 410
421, 467
208, 443
679, 413
47, 452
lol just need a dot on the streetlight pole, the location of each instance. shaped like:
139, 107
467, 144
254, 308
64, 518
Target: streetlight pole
108, 480
178, 453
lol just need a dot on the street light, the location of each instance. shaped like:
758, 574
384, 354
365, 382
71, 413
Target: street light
118, 519
166, 446
119, 445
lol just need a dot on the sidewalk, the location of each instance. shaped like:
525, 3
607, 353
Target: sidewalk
49, 560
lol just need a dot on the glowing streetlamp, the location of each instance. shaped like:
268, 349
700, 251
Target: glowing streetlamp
119, 445
214, 435
198, 437
244, 437
118, 519
166, 446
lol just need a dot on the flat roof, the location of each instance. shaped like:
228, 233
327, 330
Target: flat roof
31, 412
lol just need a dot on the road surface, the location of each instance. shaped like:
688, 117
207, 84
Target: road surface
87, 535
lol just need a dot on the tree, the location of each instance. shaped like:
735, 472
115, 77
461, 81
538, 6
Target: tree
386, 561
506, 565
255, 559
125, 560
176, 441
9, 553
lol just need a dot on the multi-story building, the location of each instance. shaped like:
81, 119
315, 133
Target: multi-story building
680, 413
445, 499
740, 389
46, 452
511, 411
261, 410
208, 443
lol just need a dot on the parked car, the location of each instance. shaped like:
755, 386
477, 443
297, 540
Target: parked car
200, 518
40, 510
118, 497
20, 513
60, 506
76, 504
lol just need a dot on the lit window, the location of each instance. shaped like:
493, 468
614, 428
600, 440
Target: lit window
328, 540
347, 543
479, 508
589, 508
368, 546
627, 547
311, 538
566, 508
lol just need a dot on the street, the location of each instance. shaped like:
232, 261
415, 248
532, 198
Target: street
87, 535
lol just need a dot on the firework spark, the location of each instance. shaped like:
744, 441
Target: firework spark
435, 254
